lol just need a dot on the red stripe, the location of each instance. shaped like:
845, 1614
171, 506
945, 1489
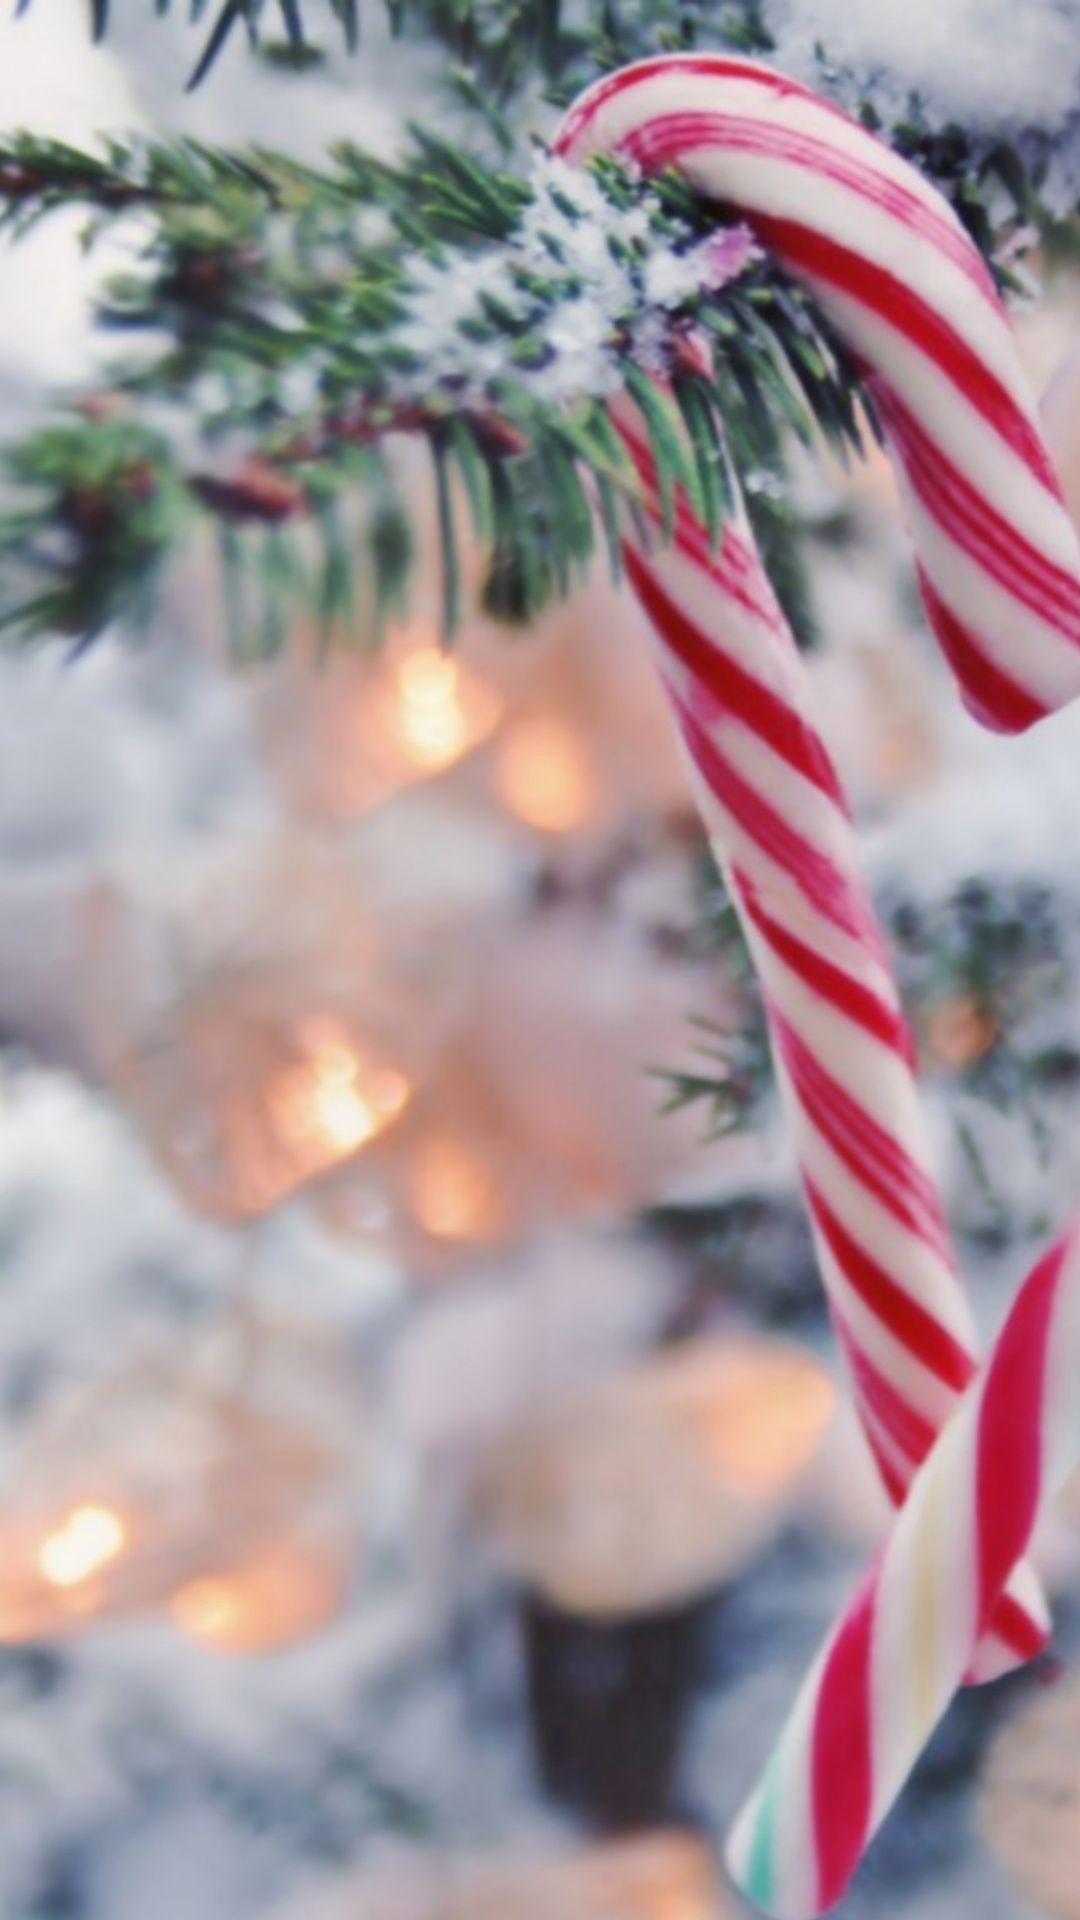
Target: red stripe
892, 1480
735, 691
875, 1158
850, 997
742, 581
668, 139
900, 307
842, 1754
824, 885
1018, 1629
990, 552
939, 1351
716, 66
905, 1426
993, 696
1049, 590
1009, 1459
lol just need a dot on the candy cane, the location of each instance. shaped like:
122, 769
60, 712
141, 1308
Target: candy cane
768, 789
891, 266
781, 833
1000, 573
888, 1670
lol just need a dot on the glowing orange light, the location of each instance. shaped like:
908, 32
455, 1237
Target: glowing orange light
85, 1542
432, 721
765, 1421
453, 1193
283, 1595
334, 1101
435, 708
545, 777
655, 1877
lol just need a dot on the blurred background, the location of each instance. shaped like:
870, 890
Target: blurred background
424, 1474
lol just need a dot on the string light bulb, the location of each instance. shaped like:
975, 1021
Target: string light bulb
268, 1023
659, 1484
281, 1596
545, 777
432, 718
453, 1192
86, 1541
333, 1101
367, 727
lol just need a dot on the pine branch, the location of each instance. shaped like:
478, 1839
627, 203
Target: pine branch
500, 49
289, 322
297, 345
498, 46
734, 1079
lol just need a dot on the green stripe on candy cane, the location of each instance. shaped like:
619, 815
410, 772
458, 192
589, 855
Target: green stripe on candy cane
973, 1504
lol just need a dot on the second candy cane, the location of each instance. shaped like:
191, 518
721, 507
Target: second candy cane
890, 1667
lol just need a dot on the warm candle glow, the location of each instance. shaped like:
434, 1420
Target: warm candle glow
661, 1876
432, 721
545, 777
660, 1483
765, 1420
334, 1101
369, 725
283, 1595
208, 1609
85, 1542
453, 1193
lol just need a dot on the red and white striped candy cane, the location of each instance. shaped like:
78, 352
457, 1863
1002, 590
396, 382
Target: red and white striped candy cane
890, 264
766, 785
782, 835
890, 1667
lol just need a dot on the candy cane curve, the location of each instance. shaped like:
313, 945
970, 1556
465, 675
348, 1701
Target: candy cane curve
889, 1668
772, 800
890, 264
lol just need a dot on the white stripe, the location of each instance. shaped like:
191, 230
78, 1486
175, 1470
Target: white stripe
964, 436
902, 1252
912, 1380
778, 187
784, 900
1034, 654
873, 1073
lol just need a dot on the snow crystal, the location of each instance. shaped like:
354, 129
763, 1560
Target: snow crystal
611, 274
993, 64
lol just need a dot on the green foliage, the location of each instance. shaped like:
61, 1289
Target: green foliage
497, 47
999, 954
735, 1077
100, 506
271, 343
270, 316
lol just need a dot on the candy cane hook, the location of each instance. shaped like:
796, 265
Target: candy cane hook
999, 567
